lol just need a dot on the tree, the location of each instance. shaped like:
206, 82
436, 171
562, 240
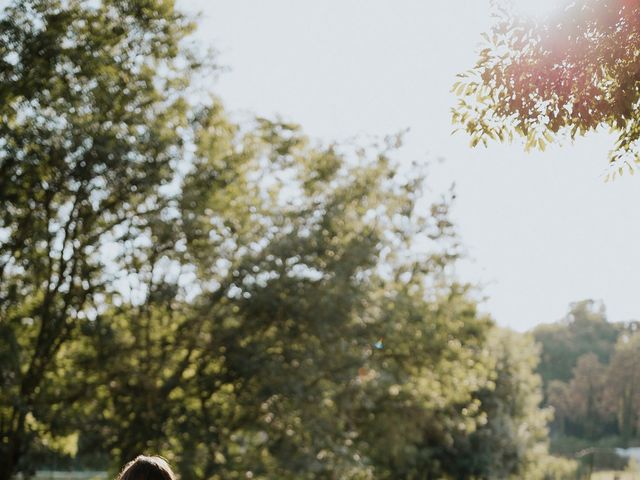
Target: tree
565, 75
586, 390
623, 394
418, 396
511, 441
583, 330
272, 368
231, 296
91, 101
558, 398
586, 396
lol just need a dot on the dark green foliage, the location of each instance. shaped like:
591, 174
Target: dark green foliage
230, 296
88, 134
589, 368
271, 367
513, 428
584, 330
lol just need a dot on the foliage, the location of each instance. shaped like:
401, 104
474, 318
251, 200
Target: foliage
622, 386
554, 468
589, 365
581, 406
233, 297
564, 75
583, 330
511, 440
89, 132
276, 354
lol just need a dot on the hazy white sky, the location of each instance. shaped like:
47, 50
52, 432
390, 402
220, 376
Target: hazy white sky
542, 229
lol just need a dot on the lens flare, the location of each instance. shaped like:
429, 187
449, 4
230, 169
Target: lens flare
537, 9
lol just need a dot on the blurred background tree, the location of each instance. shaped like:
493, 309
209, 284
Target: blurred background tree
235, 297
583, 330
588, 366
622, 391
500, 447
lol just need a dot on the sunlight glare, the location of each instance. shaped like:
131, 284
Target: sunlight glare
538, 8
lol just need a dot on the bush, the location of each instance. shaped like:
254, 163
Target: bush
555, 468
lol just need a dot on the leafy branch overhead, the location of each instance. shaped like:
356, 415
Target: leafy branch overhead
568, 74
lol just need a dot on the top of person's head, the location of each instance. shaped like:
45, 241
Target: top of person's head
147, 468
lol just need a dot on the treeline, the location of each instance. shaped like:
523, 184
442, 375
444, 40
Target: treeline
590, 370
233, 297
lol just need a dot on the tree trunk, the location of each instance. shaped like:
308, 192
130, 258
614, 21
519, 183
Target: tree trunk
11, 456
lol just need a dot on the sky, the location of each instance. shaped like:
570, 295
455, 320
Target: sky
541, 229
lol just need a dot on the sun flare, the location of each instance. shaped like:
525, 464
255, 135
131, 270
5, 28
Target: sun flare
538, 8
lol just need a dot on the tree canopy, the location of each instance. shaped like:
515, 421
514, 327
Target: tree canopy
588, 369
236, 297
583, 330
90, 131
564, 75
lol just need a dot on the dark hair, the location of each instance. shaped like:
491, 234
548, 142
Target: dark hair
147, 468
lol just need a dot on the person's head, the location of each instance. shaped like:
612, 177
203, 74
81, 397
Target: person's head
147, 468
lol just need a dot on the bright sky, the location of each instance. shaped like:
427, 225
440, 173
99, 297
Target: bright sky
541, 229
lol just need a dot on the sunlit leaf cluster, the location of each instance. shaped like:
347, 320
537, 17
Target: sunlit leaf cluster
556, 77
